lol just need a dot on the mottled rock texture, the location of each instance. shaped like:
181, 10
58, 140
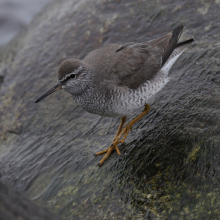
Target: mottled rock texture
14, 206
170, 163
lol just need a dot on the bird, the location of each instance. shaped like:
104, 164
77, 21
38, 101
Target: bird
117, 80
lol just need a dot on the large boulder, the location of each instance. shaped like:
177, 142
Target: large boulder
14, 206
170, 162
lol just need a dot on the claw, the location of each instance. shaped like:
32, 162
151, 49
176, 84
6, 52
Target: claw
121, 133
118, 151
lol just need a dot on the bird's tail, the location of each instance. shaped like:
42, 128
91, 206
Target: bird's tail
169, 43
174, 49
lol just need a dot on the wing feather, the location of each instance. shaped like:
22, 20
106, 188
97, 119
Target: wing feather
131, 64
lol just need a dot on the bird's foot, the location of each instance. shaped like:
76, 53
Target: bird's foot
114, 145
108, 152
122, 133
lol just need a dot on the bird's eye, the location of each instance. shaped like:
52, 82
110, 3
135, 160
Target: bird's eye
72, 76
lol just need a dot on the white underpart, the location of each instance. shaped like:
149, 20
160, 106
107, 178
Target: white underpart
131, 101
172, 59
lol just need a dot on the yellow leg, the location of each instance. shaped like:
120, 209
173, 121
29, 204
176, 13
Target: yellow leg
129, 125
122, 132
123, 119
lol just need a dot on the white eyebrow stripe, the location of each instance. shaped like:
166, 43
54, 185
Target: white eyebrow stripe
75, 72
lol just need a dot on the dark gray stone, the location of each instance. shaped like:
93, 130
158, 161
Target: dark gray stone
170, 163
14, 206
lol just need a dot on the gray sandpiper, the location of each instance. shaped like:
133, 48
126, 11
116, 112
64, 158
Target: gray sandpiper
117, 80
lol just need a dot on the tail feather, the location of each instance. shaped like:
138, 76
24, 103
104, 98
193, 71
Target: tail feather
180, 47
172, 43
172, 49
184, 43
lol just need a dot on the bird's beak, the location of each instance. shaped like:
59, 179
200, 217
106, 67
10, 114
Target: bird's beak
50, 91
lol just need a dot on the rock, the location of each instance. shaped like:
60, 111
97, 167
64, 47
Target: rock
172, 154
14, 206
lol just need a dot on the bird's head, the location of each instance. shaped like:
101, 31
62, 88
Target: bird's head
72, 76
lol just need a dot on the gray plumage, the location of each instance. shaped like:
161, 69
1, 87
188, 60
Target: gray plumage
118, 79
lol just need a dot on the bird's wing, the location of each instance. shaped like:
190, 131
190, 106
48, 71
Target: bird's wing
128, 64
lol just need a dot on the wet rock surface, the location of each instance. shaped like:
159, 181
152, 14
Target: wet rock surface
14, 206
169, 167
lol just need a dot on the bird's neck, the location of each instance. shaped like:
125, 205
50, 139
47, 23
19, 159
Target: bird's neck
93, 99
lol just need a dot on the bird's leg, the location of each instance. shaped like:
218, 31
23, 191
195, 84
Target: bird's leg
109, 149
129, 125
122, 132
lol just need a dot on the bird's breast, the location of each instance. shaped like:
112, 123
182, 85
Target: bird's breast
121, 101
